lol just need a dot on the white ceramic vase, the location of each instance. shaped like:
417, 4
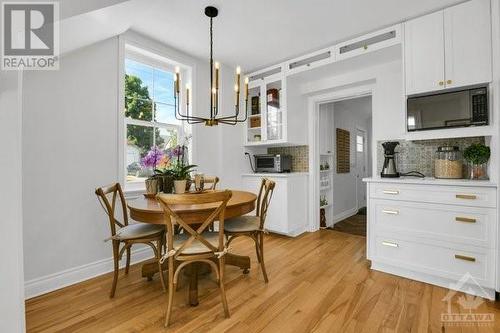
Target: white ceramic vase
180, 186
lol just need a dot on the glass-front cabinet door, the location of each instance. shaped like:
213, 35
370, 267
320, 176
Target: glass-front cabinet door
255, 121
274, 116
266, 108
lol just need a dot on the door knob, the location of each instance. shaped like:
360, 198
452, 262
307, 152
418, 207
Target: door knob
441, 83
448, 82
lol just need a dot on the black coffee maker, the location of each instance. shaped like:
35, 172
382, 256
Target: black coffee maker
389, 169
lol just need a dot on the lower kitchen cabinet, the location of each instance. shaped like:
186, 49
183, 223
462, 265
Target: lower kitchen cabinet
287, 213
439, 232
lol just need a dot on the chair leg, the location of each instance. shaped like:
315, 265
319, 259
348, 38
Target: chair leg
159, 245
116, 249
222, 287
127, 266
255, 238
260, 237
171, 290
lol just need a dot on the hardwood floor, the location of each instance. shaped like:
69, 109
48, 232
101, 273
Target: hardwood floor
355, 225
319, 282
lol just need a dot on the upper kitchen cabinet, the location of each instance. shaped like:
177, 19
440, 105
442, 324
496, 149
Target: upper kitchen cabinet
449, 48
424, 53
467, 31
269, 121
267, 116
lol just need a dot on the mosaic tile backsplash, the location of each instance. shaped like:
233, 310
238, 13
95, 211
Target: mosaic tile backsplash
420, 155
300, 156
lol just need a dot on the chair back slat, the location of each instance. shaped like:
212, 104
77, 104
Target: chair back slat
108, 197
264, 199
213, 180
175, 217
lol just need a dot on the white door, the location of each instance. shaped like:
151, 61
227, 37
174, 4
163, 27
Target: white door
467, 35
424, 53
360, 167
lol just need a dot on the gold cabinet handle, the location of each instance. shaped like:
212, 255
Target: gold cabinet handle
466, 258
448, 82
465, 219
390, 212
365, 47
466, 196
393, 192
441, 83
391, 244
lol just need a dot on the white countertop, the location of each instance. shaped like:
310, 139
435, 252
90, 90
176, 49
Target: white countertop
431, 181
272, 174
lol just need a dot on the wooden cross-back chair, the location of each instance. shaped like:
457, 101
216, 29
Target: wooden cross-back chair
194, 245
127, 234
253, 226
212, 180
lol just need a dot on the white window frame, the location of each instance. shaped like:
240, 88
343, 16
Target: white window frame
157, 56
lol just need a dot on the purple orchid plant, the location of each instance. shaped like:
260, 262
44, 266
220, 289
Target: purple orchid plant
152, 158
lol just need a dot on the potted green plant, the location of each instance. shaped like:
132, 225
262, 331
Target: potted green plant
181, 174
477, 156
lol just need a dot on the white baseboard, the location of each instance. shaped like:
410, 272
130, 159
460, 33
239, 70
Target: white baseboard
345, 214
51, 282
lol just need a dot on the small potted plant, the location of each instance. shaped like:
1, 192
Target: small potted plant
150, 161
477, 156
181, 174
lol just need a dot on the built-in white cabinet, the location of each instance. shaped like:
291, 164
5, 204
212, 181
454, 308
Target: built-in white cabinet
424, 53
267, 114
439, 232
467, 29
287, 214
449, 48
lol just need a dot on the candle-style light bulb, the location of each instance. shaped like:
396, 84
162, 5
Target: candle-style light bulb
246, 88
177, 79
216, 75
238, 70
187, 94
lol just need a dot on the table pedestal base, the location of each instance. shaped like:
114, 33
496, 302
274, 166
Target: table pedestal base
150, 268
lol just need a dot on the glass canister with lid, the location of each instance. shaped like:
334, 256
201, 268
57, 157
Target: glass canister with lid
448, 163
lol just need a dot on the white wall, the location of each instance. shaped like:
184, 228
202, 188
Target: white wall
11, 250
350, 115
385, 78
70, 146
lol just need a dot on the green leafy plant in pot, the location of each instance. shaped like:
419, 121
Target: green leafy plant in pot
181, 174
477, 157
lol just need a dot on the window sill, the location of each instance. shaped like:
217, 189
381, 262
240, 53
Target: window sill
134, 189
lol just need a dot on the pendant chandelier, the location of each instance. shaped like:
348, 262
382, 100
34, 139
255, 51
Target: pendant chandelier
214, 118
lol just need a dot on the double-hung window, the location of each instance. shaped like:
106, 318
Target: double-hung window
149, 113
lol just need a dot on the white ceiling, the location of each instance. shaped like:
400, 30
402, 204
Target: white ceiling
257, 33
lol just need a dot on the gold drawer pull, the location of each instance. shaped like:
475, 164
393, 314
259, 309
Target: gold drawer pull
466, 258
465, 219
466, 196
391, 244
390, 212
393, 192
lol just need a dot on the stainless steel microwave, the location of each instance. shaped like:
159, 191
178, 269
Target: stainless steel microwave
273, 163
462, 108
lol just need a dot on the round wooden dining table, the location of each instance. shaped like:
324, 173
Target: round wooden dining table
148, 210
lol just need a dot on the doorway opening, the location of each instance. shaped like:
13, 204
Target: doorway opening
345, 149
